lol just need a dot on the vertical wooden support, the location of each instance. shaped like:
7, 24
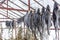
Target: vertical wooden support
58, 34
15, 27
28, 4
1, 32
7, 7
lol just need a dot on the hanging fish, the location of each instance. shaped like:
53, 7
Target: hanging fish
31, 24
43, 19
39, 23
54, 14
55, 18
30, 19
37, 19
47, 17
34, 19
10, 24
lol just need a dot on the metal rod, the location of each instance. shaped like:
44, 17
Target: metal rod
6, 16
26, 4
9, 13
16, 14
12, 14
12, 9
16, 5
38, 3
